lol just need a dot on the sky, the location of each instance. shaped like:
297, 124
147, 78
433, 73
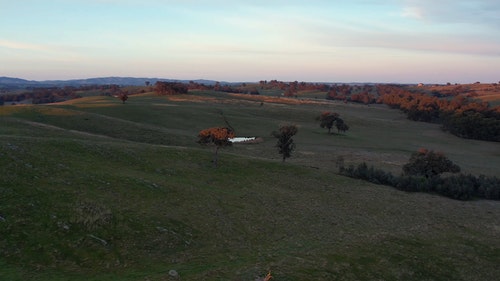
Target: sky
384, 41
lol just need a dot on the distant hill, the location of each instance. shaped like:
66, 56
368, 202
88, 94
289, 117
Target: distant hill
16, 81
9, 82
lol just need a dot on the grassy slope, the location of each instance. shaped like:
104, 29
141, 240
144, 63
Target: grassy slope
96, 190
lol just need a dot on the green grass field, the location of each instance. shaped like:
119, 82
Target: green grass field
93, 189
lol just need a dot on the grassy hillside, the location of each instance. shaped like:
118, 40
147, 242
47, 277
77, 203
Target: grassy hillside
93, 189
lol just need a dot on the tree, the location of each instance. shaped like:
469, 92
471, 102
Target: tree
341, 126
218, 136
285, 143
329, 119
123, 97
428, 163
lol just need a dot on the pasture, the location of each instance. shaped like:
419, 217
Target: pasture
93, 189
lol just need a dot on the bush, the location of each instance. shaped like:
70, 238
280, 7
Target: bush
459, 187
429, 164
415, 183
370, 174
488, 187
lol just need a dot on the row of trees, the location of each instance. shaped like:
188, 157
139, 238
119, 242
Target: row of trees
460, 116
293, 87
423, 173
173, 88
42, 95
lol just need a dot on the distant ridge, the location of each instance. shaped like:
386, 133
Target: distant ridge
16, 81
122, 81
19, 83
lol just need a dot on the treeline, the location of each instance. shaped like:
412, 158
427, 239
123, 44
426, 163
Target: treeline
459, 115
170, 88
175, 88
233, 89
291, 89
41, 95
365, 94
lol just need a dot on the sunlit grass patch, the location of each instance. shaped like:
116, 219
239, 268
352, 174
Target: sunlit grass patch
8, 110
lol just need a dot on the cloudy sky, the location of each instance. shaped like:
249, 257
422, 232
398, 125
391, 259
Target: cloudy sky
407, 41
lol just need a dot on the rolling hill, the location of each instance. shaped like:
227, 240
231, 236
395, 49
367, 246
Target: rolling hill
93, 189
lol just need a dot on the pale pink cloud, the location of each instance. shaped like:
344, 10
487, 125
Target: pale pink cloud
413, 13
22, 45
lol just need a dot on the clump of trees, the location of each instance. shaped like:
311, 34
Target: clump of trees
329, 119
460, 116
423, 173
285, 142
170, 88
483, 125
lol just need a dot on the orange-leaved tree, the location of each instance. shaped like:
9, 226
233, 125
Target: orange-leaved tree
218, 136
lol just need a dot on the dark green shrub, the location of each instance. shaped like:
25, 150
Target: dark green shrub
459, 187
488, 187
362, 171
428, 163
415, 183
